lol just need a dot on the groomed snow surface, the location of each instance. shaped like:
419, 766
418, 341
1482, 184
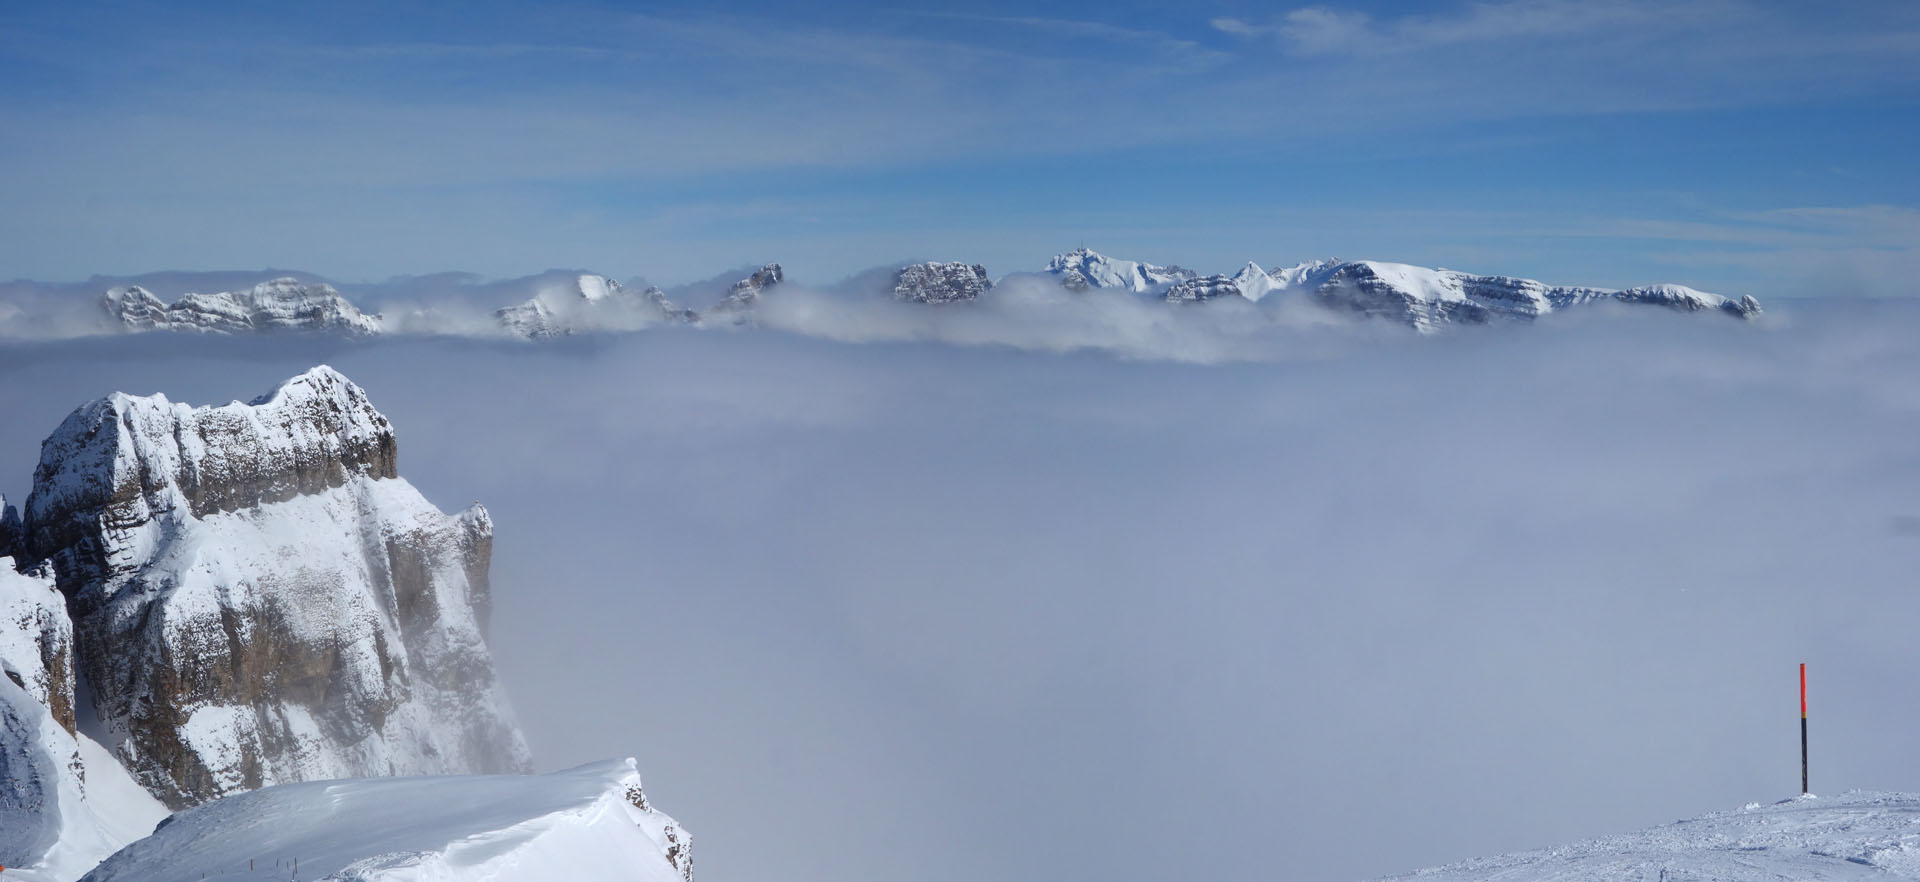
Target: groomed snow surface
581, 825
1806, 839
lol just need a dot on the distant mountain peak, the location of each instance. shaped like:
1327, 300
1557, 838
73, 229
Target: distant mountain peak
941, 282
1083, 269
276, 305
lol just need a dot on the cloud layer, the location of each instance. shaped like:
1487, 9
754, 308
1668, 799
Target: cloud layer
940, 612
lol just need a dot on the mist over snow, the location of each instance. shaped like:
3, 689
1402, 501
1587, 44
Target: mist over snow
1322, 612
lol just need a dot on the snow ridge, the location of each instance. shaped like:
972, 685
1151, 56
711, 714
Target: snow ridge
276, 305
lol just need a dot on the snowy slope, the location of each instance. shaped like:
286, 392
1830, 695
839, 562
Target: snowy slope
1428, 299
590, 824
591, 303
260, 598
64, 802
1857, 836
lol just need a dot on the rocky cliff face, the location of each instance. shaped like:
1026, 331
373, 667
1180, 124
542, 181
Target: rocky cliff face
940, 282
1202, 289
258, 598
274, 306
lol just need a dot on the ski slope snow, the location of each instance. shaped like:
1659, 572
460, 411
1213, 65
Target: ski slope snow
1856, 836
589, 824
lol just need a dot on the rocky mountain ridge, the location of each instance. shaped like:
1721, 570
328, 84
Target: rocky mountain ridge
274, 306
1422, 298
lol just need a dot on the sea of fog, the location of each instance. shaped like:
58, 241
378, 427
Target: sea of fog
923, 611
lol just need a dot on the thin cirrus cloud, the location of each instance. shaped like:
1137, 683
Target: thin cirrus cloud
385, 145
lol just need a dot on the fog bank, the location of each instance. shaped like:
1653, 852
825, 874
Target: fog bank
911, 610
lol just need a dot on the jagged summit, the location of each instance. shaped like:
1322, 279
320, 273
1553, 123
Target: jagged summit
737, 307
1251, 283
1084, 268
258, 597
277, 305
940, 282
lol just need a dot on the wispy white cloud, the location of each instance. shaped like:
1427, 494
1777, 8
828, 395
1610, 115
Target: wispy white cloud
1325, 30
1154, 44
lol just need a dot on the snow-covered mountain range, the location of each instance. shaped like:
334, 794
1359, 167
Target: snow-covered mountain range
1427, 300
204, 602
276, 305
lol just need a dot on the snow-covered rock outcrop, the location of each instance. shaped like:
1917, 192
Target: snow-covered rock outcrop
258, 597
1428, 298
1081, 269
737, 307
64, 802
1856, 836
273, 306
592, 303
940, 282
590, 824
1251, 283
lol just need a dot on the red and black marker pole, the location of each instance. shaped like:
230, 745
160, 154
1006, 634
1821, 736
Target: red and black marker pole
1803, 728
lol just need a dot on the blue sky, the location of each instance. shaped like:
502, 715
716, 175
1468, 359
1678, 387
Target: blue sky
1732, 145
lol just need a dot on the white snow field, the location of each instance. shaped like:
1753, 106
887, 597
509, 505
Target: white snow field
588, 824
1856, 836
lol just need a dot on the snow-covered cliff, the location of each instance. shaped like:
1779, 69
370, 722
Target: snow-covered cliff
64, 802
259, 598
273, 306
